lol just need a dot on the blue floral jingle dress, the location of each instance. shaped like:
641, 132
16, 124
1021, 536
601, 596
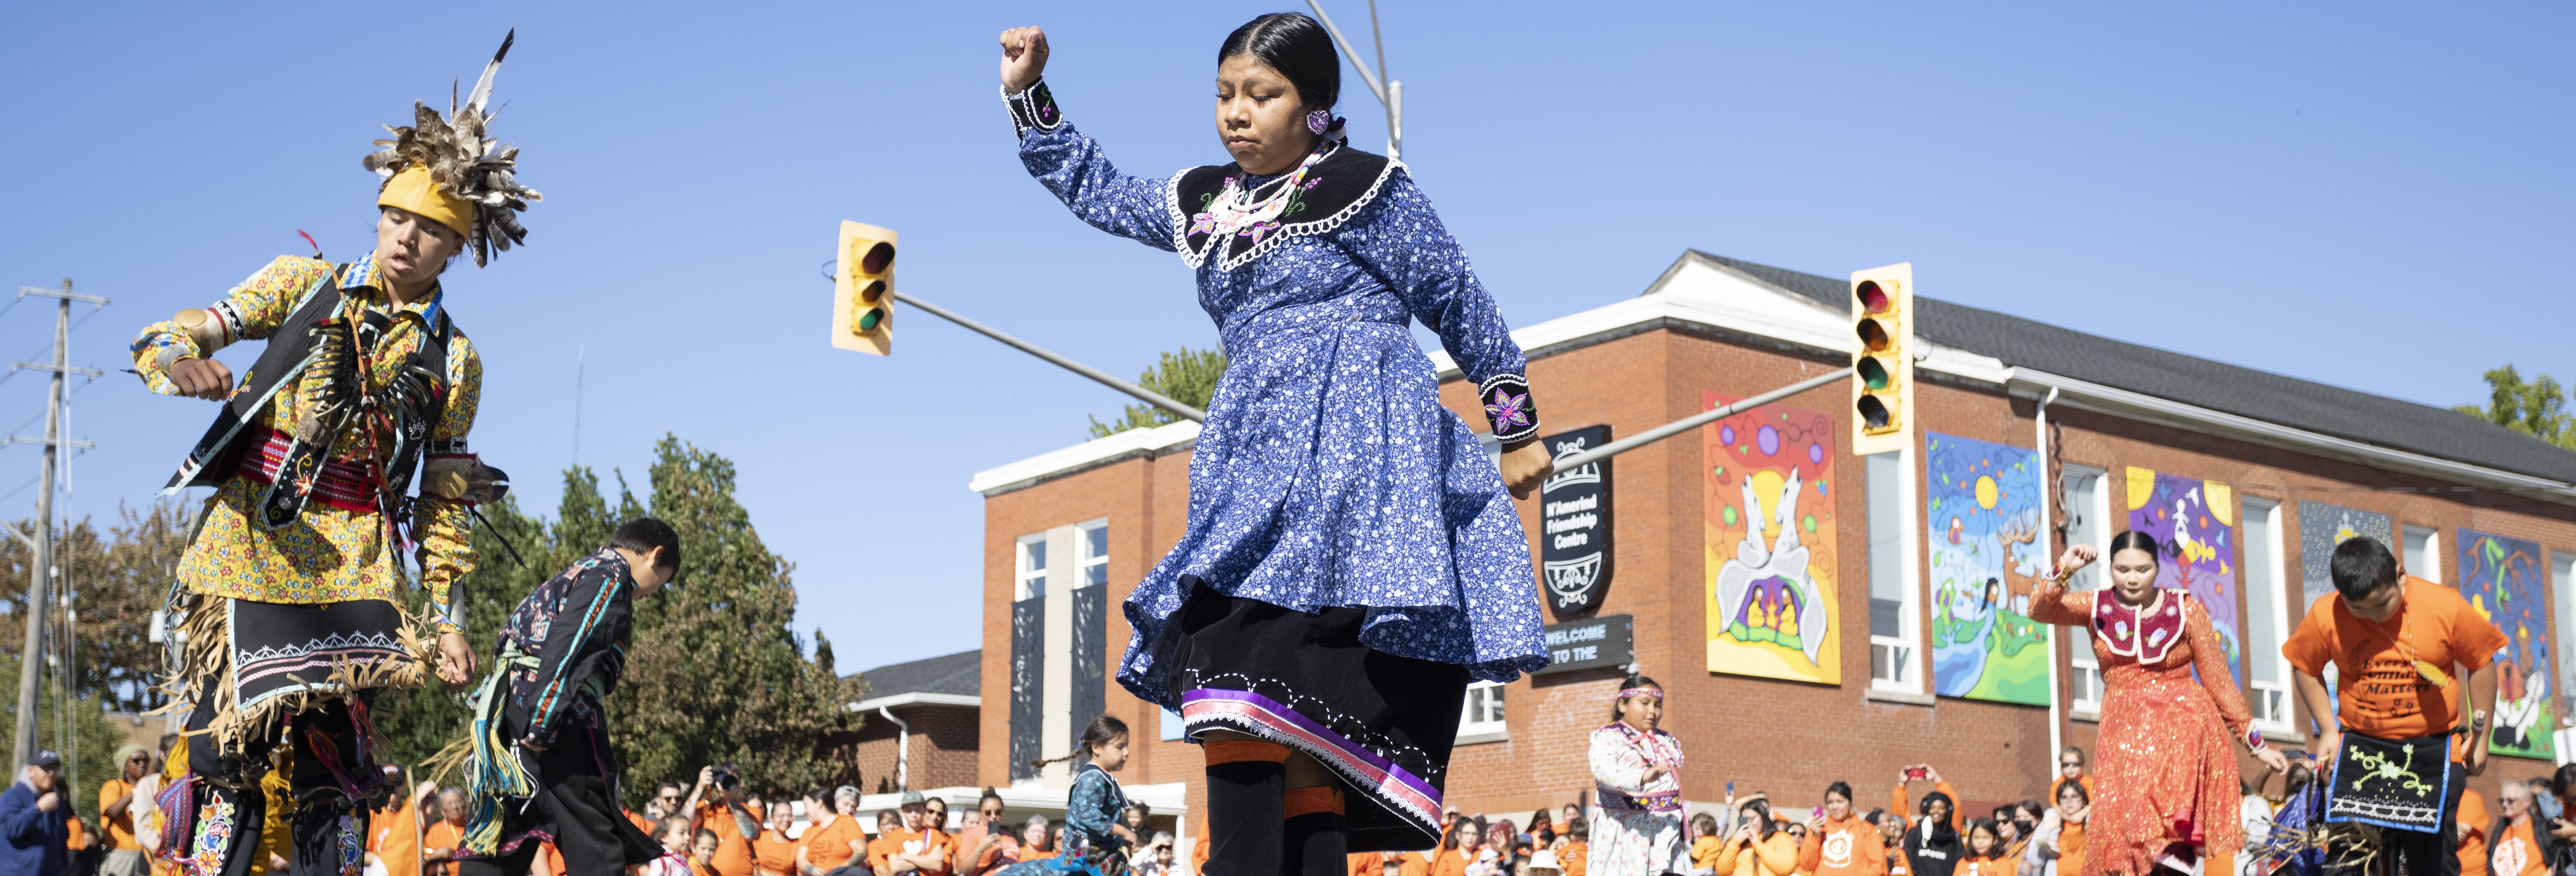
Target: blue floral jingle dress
1352, 558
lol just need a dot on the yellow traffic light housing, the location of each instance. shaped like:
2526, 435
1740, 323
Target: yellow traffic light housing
1882, 359
863, 289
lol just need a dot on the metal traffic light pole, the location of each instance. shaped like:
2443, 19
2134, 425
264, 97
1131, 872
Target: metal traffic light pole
1694, 421
1142, 394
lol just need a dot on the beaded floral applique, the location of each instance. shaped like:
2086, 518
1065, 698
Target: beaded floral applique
1508, 407
2146, 632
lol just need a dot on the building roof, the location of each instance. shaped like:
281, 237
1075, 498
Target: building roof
959, 674
2246, 392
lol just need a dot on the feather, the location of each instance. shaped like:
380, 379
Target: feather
483, 87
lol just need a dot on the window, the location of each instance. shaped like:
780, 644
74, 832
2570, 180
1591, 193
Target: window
1032, 567
2423, 557
2266, 617
1091, 554
2562, 570
1483, 720
1891, 597
2087, 509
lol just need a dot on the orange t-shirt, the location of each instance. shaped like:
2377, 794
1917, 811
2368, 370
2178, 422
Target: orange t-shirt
443, 835
828, 846
733, 852
2471, 815
1849, 847
644, 824
78, 837
395, 838
1576, 857
120, 829
2517, 854
774, 853
2378, 691
964, 844
1415, 864
887, 843
1367, 864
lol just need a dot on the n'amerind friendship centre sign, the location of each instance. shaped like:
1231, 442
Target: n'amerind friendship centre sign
1591, 644
1574, 525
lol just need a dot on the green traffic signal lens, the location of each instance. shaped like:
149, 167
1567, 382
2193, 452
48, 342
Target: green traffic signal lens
1873, 337
869, 321
1872, 374
1873, 413
1872, 298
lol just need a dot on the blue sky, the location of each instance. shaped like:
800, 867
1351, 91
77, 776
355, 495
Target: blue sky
2373, 195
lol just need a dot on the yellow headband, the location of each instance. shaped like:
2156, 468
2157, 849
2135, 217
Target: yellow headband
413, 190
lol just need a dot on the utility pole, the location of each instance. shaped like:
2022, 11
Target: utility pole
31, 662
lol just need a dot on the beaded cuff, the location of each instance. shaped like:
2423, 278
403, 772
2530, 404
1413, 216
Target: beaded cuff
1033, 109
2254, 740
1509, 407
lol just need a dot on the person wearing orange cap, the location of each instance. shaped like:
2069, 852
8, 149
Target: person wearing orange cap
289, 586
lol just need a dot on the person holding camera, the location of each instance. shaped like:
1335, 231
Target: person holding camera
735, 824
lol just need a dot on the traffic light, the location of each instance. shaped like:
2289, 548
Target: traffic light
863, 290
1883, 359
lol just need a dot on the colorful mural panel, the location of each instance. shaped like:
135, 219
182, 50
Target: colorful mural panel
2321, 527
1774, 609
2196, 522
1981, 506
2502, 579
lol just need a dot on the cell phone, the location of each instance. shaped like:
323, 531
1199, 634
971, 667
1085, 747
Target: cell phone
1818, 813
1730, 789
1916, 774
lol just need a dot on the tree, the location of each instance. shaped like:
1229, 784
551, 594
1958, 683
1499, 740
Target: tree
2535, 408
115, 584
1185, 375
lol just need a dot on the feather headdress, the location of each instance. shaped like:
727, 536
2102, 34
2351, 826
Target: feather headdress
463, 163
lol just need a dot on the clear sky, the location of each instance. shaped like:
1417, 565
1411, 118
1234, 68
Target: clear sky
2374, 195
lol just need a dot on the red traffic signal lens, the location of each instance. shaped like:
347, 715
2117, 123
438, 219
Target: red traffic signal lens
1873, 337
1872, 374
874, 290
1872, 298
879, 257
869, 321
1873, 413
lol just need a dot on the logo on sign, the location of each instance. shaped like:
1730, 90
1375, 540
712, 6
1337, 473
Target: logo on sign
1574, 525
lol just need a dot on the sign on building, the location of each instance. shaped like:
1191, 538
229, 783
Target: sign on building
1591, 644
1574, 526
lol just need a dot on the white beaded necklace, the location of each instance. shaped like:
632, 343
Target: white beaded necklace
1236, 209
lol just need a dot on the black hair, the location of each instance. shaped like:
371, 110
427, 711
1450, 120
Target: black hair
2134, 540
823, 794
1578, 828
2033, 809
1987, 825
1101, 731
1629, 682
1460, 827
1761, 817
989, 794
705, 835
1875, 816
2079, 792
2006, 812
1939, 828
2361, 566
1843, 788
643, 534
1298, 48
1707, 817
669, 786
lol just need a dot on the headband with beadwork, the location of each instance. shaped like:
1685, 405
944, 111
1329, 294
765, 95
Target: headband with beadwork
1626, 692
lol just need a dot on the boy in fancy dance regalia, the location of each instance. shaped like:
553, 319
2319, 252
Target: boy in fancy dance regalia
2399, 738
289, 582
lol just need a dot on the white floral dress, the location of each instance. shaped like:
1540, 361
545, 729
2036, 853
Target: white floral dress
1636, 824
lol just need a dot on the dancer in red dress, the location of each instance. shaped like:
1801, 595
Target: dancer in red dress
2169, 796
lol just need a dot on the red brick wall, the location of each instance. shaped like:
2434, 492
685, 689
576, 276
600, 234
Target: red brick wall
944, 744
1789, 738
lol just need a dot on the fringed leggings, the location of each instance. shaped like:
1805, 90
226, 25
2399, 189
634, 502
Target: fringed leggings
310, 763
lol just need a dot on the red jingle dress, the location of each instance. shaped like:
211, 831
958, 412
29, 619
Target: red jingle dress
2167, 758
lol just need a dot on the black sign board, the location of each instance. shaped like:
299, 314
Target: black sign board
1574, 526
1591, 644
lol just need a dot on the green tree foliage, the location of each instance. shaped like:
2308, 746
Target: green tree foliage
88, 745
2536, 408
116, 583
715, 673
1185, 375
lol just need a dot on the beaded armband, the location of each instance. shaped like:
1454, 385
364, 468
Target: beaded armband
1509, 407
1033, 109
2254, 739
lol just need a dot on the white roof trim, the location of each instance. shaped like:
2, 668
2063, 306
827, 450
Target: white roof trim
2140, 406
917, 698
1012, 476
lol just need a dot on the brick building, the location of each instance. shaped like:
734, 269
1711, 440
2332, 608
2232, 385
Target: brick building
921, 724
1901, 638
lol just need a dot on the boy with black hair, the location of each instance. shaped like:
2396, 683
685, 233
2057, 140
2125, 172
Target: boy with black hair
542, 768
2397, 643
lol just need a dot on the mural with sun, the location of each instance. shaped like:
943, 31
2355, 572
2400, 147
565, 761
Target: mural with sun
1981, 505
1767, 480
2195, 521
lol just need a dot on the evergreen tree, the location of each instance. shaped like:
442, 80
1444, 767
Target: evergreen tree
2536, 408
1185, 375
